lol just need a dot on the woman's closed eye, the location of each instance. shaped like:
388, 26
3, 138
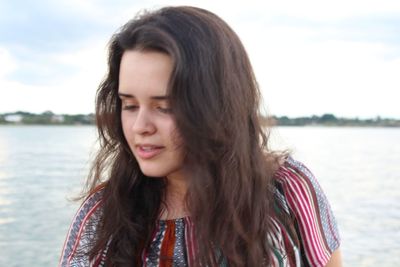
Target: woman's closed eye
129, 107
134, 107
164, 110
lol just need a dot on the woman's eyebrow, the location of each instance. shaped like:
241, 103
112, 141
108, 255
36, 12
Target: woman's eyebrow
125, 95
156, 97
160, 97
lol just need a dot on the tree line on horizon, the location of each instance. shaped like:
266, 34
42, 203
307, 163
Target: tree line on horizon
46, 118
50, 118
328, 120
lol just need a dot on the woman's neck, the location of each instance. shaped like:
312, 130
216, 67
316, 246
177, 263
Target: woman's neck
174, 205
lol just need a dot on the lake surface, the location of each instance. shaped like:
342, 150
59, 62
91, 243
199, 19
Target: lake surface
42, 167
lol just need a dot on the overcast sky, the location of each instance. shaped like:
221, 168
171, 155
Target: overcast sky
310, 57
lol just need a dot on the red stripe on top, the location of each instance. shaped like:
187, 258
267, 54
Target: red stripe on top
190, 241
302, 201
145, 251
82, 226
168, 245
310, 227
95, 190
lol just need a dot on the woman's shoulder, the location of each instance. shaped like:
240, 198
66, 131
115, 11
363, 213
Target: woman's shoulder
83, 230
301, 195
291, 168
294, 177
300, 188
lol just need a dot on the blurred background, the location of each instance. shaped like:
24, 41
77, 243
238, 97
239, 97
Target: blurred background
311, 58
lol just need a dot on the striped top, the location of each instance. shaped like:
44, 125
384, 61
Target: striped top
307, 240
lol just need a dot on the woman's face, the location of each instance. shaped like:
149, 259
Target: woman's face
148, 124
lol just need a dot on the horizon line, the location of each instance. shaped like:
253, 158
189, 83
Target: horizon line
262, 115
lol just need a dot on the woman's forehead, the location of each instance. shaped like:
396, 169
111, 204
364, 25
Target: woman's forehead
145, 73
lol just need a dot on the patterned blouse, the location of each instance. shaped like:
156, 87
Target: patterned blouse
310, 241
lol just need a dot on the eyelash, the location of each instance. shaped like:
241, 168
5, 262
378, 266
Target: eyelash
129, 107
134, 107
164, 110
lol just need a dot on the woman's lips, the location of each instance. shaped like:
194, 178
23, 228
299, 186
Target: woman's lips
148, 151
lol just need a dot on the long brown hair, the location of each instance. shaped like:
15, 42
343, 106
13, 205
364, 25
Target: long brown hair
215, 100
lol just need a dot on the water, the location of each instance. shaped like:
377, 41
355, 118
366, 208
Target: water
41, 167
359, 170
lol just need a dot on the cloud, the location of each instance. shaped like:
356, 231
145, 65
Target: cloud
344, 63
46, 26
36, 32
73, 94
8, 64
309, 56
341, 77
320, 11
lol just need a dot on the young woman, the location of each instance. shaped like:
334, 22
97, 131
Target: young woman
184, 176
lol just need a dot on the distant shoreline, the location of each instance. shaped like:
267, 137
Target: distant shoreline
271, 126
326, 120
329, 120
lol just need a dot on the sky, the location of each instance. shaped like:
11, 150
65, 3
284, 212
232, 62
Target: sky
309, 57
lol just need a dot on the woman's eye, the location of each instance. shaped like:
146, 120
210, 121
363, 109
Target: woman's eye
164, 110
129, 107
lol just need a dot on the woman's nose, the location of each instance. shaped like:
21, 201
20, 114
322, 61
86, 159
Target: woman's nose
144, 123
